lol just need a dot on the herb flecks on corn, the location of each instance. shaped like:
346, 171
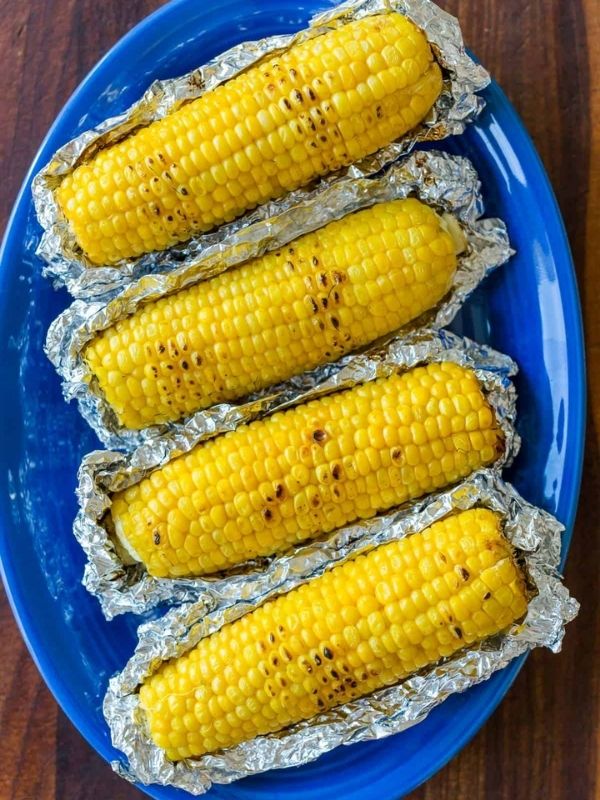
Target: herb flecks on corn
319, 106
364, 625
322, 296
308, 470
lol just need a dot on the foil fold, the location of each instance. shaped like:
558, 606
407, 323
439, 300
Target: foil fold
534, 534
124, 588
448, 183
458, 104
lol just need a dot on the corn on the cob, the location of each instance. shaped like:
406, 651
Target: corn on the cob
322, 296
308, 470
365, 625
323, 104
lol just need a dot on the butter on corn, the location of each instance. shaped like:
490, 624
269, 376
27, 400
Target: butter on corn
365, 625
317, 107
308, 470
324, 295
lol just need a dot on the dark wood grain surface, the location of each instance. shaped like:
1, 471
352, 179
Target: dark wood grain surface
543, 742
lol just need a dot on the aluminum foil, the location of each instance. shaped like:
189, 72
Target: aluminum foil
449, 183
535, 535
456, 106
121, 588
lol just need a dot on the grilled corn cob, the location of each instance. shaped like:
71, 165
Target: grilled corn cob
364, 625
324, 295
323, 104
275, 482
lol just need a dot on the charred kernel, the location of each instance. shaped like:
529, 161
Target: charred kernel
156, 537
200, 730
333, 442
463, 572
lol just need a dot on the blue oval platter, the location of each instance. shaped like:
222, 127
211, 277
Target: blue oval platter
528, 309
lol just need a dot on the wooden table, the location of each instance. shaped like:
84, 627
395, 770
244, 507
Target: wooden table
544, 740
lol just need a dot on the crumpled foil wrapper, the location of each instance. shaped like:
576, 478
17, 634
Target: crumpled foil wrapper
456, 106
129, 588
535, 535
449, 183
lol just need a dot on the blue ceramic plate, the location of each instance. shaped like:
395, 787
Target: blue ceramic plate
528, 309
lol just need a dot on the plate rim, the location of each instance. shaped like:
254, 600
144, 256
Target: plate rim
570, 304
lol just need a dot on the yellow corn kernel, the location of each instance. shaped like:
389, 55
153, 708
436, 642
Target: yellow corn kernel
277, 126
287, 661
322, 296
275, 482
